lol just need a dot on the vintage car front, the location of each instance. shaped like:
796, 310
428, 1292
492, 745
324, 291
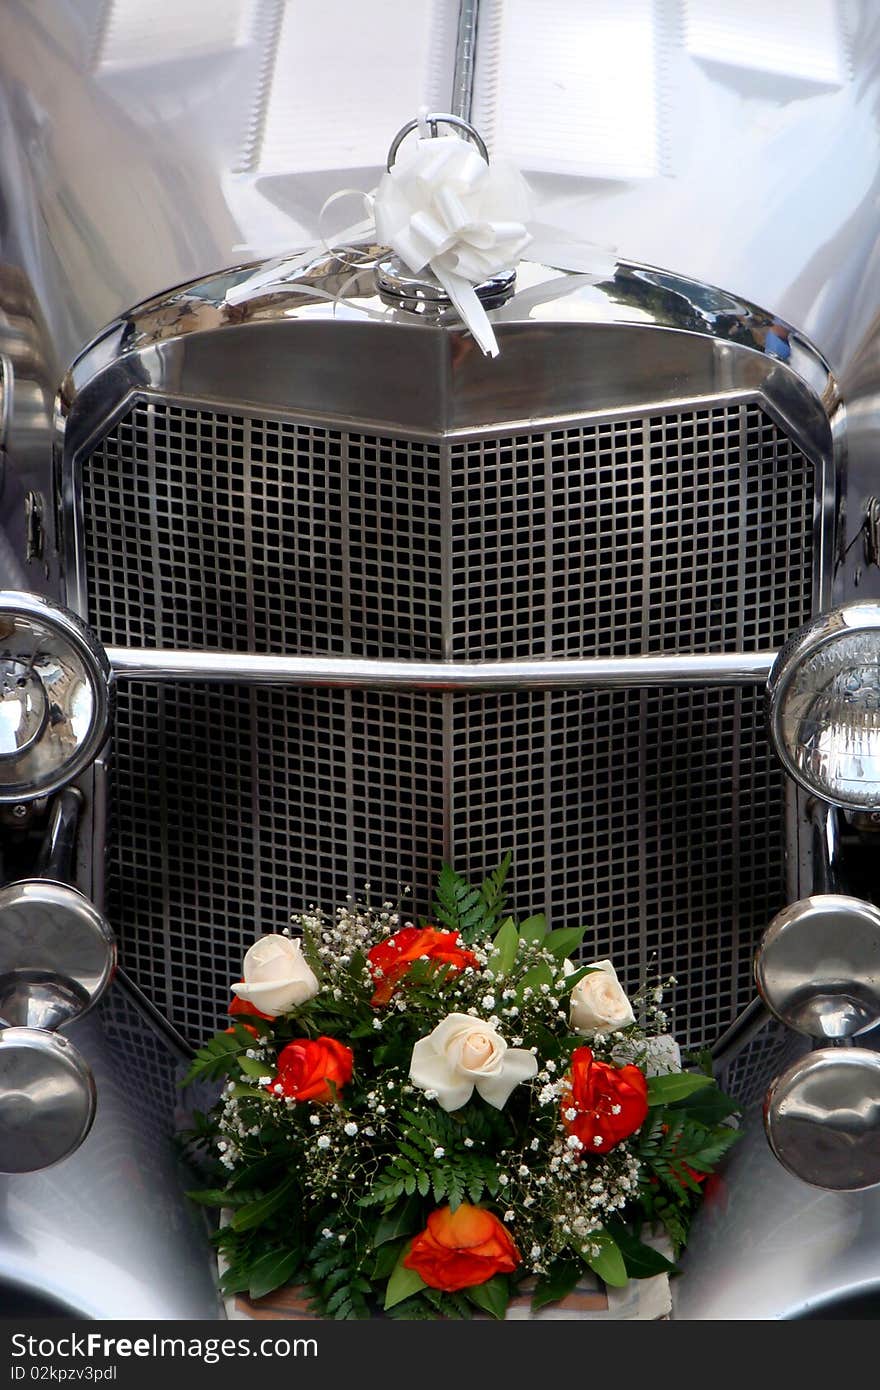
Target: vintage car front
302, 590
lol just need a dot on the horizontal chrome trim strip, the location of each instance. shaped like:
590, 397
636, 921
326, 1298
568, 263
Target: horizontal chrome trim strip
697, 668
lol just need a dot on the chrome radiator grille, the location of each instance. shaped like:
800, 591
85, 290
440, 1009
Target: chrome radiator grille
654, 816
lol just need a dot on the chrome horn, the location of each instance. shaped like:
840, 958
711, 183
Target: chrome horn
818, 971
57, 956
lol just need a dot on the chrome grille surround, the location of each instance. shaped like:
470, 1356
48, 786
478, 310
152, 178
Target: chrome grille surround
685, 520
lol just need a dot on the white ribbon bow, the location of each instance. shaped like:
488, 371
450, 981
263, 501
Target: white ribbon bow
442, 207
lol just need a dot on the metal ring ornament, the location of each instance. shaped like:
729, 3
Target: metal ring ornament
823, 706
433, 120
55, 696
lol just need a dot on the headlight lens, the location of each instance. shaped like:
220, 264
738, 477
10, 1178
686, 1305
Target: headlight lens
824, 706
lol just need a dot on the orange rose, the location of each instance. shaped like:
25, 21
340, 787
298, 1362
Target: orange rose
462, 1248
309, 1068
611, 1102
241, 1006
391, 960
247, 1027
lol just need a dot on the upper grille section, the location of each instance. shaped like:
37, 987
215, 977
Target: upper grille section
686, 531
654, 816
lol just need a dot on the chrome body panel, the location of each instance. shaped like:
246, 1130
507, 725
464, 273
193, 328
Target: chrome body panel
109, 1232
767, 1246
83, 237
320, 348
119, 229
713, 668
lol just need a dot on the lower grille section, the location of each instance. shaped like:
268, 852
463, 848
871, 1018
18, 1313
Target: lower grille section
654, 817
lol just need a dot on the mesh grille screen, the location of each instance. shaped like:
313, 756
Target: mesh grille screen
654, 816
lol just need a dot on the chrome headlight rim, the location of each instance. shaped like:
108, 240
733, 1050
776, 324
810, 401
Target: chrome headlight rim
33, 774
861, 615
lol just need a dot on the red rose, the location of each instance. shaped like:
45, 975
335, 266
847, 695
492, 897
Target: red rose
392, 959
308, 1069
611, 1102
462, 1248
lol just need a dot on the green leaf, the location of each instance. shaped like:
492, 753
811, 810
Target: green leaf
577, 975
493, 894
557, 1283
402, 1221
663, 1090
702, 1060
217, 1058
403, 1282
563, 941
210, 1197
235, 1280
533, 979
246, 1025
642, 1261
241, 1091
713, 1148
503, 956
255, 1213
492, 1297
458, 905
311, 952
608, 1264
709, 1106
251, 1067
534, 929
386, 1259
272, 1271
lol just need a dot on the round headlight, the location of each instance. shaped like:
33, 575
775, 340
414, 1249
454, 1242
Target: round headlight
824, 706
54, 697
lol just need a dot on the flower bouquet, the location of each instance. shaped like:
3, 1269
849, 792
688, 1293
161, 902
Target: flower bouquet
422, 1119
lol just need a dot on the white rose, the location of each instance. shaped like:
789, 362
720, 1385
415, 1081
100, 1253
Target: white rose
464, 1053
598, 1003
276, 976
